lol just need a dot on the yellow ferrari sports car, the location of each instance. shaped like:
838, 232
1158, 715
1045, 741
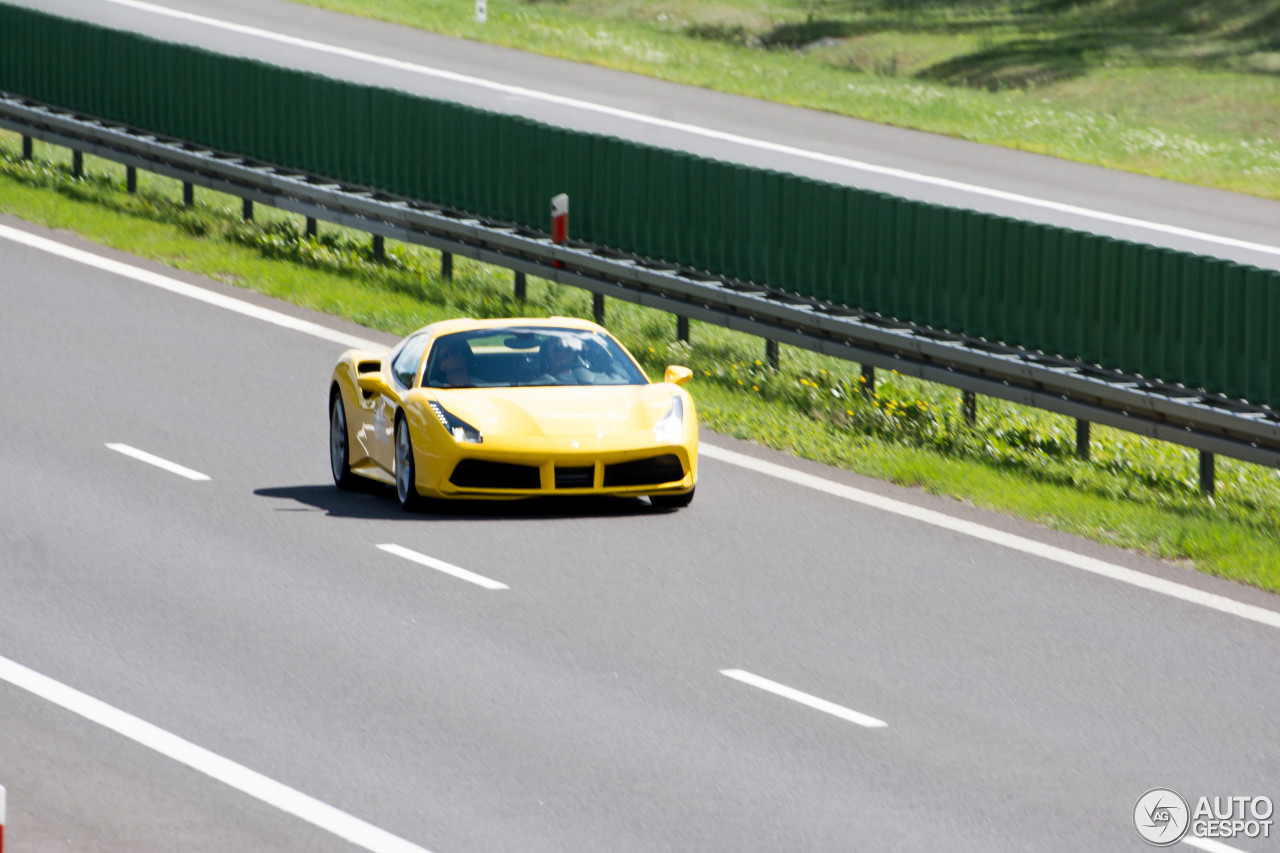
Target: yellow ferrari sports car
511, 409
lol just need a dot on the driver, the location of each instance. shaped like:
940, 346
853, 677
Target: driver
453, 364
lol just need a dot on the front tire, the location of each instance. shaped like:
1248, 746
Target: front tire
406, 470
672, 501
339, 444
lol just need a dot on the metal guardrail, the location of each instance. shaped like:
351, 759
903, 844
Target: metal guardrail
1184, 416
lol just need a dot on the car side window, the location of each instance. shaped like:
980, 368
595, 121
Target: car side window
405, 365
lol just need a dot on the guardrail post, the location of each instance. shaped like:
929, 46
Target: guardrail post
521, 286
379, 248
1082, 440
131, 179
26, 148
771, 353
188, 194
1206, 473
446, 266
969, 406
682, 329
246, 210
77, 164
311, 226
868, 381
597, 308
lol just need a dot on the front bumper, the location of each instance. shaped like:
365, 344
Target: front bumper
479, 472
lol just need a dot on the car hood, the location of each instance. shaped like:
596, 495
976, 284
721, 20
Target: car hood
560, 412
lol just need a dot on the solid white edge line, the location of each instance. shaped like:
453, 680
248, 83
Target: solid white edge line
746, 141
997, 537
804, 698
183, 289
216, 767
143, 456
1209, 844
442, 566
1029, 546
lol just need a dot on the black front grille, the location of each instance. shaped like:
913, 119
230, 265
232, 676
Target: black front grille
645, 472
479, 474
575, 478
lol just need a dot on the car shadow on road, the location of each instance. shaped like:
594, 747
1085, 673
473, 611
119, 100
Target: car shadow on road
375, 501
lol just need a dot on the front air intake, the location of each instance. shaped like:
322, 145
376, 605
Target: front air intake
479, 474
645, 472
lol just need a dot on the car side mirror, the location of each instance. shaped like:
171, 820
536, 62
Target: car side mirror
371, 383
677, 375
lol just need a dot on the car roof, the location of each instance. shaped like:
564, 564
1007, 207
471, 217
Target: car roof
468, 324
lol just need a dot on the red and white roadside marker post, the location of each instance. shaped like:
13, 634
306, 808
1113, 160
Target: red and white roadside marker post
1, 818
559, 220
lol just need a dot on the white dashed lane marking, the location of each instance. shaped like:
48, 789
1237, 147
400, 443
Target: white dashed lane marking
803, 698
442, 566
165, 464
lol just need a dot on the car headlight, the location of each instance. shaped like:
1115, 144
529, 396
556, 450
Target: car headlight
667, 429
456, 426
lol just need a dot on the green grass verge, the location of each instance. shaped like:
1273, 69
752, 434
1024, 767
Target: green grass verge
1181, 90
1134, 493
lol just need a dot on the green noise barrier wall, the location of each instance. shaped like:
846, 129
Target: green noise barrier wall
1193, 320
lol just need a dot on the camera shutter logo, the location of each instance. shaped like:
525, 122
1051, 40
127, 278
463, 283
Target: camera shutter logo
1161, 817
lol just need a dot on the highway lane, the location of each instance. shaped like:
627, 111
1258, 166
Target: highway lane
905, 163
584, 707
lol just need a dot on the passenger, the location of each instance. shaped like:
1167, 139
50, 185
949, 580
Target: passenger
562, 361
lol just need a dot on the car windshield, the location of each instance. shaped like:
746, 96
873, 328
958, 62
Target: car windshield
528, 356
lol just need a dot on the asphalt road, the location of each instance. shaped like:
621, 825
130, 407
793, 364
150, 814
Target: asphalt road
1027, 704
902, 162
584, 707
